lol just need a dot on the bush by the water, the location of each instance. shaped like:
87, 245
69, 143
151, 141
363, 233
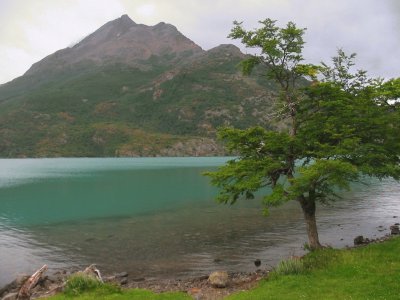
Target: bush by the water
289, 267
80, 283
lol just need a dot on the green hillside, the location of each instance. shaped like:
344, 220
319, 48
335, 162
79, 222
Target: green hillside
120, 110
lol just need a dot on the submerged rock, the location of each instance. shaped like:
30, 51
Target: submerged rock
394, 229
122, 274
359, 240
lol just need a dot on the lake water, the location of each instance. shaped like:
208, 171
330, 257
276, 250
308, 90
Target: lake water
157, 218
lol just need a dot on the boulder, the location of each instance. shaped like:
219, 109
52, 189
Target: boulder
218, 279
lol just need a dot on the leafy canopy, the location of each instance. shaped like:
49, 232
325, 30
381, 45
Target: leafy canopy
342, 125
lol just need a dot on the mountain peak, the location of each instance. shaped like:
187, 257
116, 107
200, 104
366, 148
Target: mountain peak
125, 20
227, 50
162, 26
122, 24
121, 41
125, 17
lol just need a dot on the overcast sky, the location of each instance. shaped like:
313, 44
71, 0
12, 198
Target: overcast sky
33, 29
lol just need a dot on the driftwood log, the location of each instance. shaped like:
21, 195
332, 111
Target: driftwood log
26, 289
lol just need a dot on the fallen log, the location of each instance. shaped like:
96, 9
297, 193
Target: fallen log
26, 289
13, 286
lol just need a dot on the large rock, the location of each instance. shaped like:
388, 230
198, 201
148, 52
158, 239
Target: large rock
219, 279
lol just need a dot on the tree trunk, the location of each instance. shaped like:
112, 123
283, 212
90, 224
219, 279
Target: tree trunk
308, 207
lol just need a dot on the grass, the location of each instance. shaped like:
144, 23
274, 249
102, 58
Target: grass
82, 287
370, 272
110, 294
134, 294
289, 267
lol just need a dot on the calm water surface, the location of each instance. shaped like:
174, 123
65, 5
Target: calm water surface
156, 217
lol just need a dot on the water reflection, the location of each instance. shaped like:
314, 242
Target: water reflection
22, 251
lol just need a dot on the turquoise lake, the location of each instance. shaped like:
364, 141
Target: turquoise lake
157, 218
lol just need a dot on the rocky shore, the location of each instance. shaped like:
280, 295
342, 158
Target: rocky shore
203, 287
214, 286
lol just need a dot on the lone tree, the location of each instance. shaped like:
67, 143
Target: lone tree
341, 127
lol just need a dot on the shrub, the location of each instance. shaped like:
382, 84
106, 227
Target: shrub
289, 267
80, 283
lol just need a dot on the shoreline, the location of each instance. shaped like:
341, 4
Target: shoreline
53, 284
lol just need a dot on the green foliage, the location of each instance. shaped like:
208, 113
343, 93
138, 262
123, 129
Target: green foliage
280, 51
321, 177
261, 153
342, 126
249, 64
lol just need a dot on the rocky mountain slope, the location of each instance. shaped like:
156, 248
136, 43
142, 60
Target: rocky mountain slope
121, 41
130, 90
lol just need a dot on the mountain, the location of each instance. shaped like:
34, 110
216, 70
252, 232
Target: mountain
130, 90
121, 41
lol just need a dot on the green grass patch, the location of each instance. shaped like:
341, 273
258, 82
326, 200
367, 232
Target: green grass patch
288, 267
83, 287
105, 293
78, 284
370, 272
